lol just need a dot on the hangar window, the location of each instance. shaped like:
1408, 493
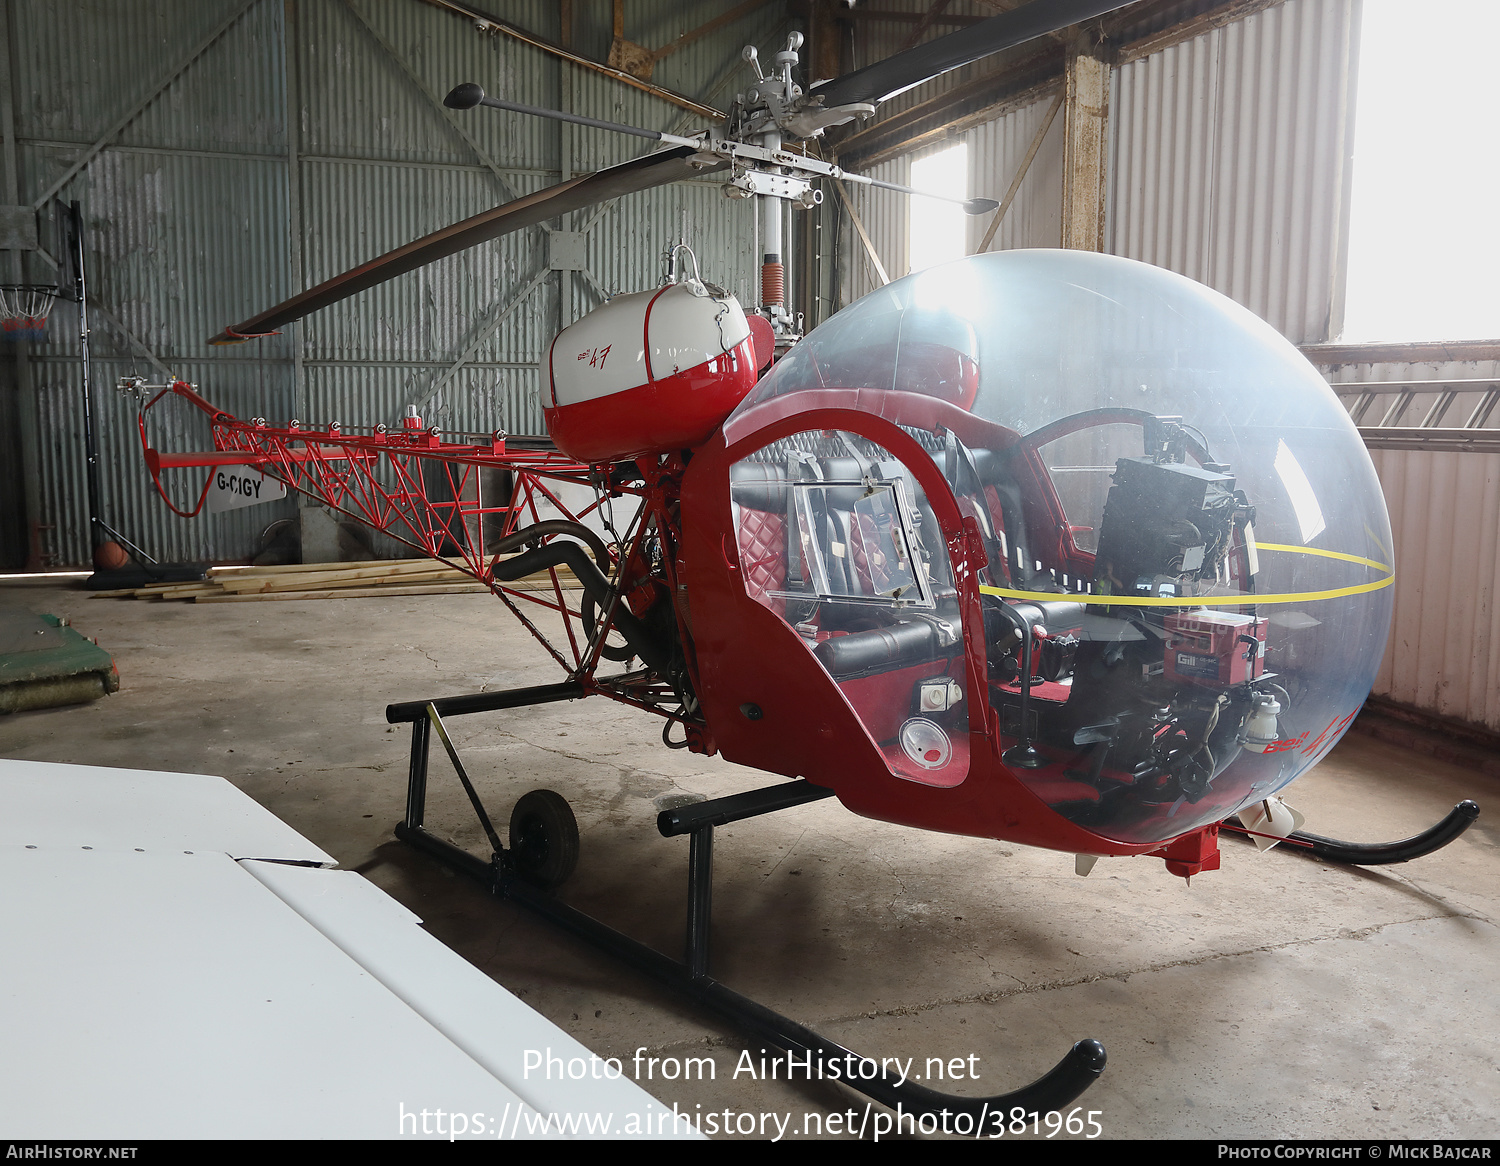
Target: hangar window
938, 228
1423, 251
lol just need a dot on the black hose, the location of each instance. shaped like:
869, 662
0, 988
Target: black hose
540, 530
553, 528
595, 585
1458, 819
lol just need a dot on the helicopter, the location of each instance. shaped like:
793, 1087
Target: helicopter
1049, 547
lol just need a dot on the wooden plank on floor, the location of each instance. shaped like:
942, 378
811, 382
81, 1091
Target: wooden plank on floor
350, 593
324, 581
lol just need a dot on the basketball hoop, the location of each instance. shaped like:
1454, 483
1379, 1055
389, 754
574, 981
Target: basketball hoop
23, 312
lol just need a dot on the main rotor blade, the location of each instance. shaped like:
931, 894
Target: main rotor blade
487, 23
899, 73
639, 174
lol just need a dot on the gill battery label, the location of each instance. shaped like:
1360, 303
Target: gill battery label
1205, 666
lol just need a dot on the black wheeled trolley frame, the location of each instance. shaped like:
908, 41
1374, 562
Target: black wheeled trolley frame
521, 872
544, 848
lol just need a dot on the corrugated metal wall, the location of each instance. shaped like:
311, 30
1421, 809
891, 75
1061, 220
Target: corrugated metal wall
1445, 519
1229, 163
996, 151
1228, 160
185, 214
884, 214
208, 206
1445, 515
1229, 157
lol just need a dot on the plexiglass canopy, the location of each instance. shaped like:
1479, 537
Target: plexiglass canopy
1187, 595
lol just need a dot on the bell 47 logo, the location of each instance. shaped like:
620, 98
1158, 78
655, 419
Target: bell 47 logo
1324, 740
595, 356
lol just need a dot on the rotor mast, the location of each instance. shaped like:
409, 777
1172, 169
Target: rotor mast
763, 118
769, 96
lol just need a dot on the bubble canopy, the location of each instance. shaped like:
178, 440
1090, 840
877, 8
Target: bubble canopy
1187, 590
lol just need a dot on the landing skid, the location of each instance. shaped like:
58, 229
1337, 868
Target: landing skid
504, 876
1457, 820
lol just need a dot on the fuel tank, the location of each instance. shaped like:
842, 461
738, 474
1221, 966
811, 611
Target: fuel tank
648, 373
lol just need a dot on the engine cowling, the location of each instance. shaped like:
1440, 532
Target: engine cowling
648, 373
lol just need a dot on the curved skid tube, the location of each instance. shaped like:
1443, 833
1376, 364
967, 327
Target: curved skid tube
1055, 1089
1458, 819
1079, 1069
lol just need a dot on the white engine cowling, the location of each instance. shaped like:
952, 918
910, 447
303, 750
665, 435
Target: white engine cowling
647, 373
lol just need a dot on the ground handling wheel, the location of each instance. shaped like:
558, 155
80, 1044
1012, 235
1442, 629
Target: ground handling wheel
543, 839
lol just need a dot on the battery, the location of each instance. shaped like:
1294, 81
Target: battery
1209, 647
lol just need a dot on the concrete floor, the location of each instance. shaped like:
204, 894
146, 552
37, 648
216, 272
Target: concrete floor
1278, 997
